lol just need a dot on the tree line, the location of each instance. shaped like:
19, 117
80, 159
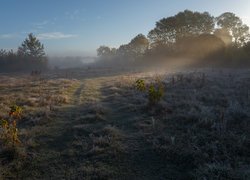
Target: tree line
224, 39
29, 56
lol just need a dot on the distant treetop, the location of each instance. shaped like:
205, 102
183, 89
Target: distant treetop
31, 47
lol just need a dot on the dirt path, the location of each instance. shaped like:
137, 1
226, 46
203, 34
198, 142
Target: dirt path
94, 136
107, 132
58, 153
77, 95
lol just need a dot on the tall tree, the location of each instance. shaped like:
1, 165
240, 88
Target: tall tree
138, 45
184, 24
105, 51
31, 47
124, 51
234, 25
224, 35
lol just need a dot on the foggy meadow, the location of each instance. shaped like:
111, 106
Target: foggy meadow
170, 104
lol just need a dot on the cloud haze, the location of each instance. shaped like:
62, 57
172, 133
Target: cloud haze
7, 36
55, 35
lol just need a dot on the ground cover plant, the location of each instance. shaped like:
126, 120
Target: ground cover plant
107, 128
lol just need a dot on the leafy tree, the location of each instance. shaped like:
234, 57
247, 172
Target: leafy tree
184, 24
135, 48
105, 51
139, 45
163, 33
202, 47
124, 51
224, 35
234, 25
187, 34
247, 48
31, 47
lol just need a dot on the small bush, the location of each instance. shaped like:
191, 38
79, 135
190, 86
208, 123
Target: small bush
15, 112
140, 85
9, 133
155, 93
8, 128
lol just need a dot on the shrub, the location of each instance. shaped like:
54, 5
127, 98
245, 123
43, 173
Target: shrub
9, 134
8, 128
155, 93
140, 85
15, 112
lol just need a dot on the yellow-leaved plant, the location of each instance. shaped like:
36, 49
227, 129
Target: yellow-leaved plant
8, 128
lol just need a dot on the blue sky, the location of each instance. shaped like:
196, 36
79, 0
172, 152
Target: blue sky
78, 27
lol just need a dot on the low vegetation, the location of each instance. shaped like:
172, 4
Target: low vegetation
106, 123
9, 130
140, 85
154, 91
188, 125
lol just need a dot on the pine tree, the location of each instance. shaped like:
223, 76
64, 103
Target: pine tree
31, 47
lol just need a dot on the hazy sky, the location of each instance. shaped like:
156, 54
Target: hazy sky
78, 27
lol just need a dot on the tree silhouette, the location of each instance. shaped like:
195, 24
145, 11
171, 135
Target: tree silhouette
105, 51
224, 35
235, 27
31, 47
139, 45
188, 34
184, 24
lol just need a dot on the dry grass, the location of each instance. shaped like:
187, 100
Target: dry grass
102, 127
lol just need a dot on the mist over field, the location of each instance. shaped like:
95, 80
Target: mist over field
125, 90
69, 62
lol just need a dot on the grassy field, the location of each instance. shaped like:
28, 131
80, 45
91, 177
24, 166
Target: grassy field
95, 124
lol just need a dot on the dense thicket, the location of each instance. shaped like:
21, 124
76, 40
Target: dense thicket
29, 56
222, 40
